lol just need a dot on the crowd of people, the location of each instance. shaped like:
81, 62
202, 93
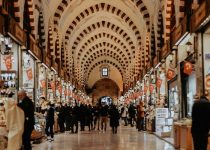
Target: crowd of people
20, 119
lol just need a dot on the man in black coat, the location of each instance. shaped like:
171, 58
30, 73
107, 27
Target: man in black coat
50, 122
200, 123
26, 104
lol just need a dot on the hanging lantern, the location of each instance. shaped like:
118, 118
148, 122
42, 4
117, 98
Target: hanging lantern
188, 68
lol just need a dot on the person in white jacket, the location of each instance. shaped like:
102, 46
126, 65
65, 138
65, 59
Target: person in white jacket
14, 123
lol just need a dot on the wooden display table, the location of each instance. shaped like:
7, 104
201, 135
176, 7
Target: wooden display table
183, 137
186, 138
177, 135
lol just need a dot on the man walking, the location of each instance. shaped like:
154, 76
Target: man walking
28, 107
200, 123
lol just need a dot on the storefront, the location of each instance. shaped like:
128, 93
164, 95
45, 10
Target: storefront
28, 74
9, 66
206, 58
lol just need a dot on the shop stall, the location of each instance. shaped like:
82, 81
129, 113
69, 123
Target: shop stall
8, 66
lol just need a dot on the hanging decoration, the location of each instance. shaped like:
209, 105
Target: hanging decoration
145, 88
151, 88
29, 74
8, 62
158, 83
52, 84
60, 88
188, 68
43, 83
170, 74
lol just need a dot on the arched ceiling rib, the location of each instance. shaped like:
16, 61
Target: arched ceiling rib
105, 27
97, 32
102, 37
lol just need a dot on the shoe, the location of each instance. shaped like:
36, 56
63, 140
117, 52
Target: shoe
48, 138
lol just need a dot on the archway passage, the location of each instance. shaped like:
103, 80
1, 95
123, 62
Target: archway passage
105, 100
105, 87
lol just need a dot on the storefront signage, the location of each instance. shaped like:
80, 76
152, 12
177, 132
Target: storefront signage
180, 32
158, 83
165, 50
55, 66
155, 61
170, 74
199, 16
48, 61
34, 48
62, 72
16, 31
188, 68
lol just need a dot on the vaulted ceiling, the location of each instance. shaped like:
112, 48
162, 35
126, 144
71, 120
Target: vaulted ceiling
98, 32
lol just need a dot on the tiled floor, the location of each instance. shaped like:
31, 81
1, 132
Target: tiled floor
126, 139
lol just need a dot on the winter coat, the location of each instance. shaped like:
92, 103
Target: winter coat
114, 117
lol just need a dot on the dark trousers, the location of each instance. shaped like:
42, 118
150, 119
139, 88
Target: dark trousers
200, 141
27, 139
49, 130
125, 120
114, 129
61, 124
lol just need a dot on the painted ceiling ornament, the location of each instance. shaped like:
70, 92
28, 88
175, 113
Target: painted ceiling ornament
188, 67
170, 74
158, 83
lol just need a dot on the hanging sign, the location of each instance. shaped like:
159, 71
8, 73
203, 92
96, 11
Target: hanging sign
158, 83
170, 74
29, 74
151, 88
207, 82
65, 92
60, 89
8, 62
43, 83
145, 88
188, 68
52, 84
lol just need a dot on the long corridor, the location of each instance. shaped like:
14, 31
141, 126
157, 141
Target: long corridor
126, 139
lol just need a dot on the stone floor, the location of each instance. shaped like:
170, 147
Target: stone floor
127, 138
